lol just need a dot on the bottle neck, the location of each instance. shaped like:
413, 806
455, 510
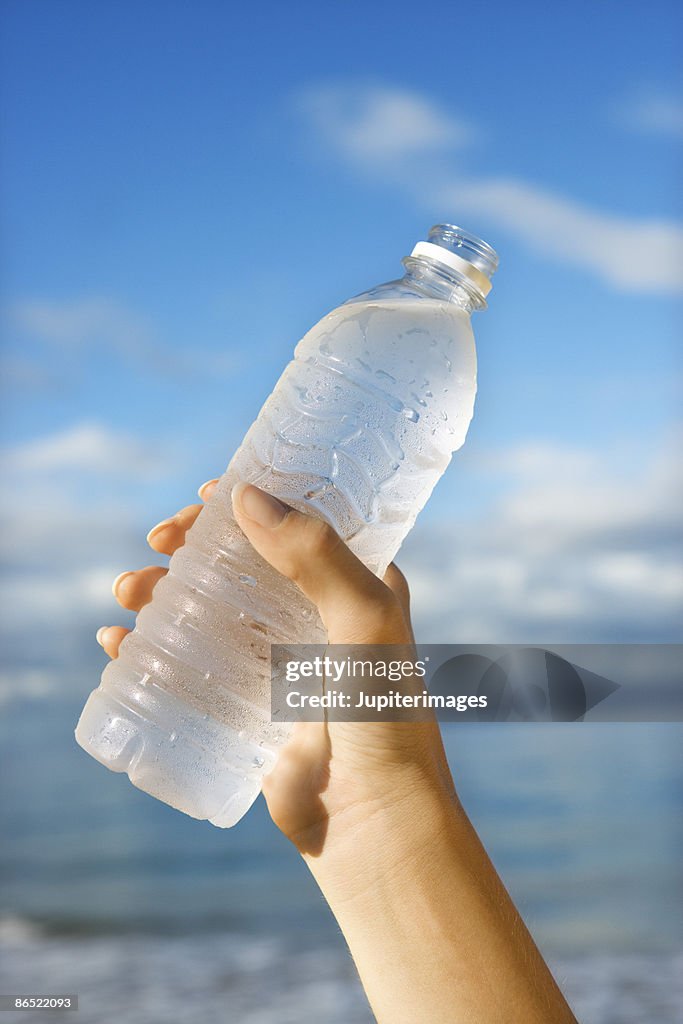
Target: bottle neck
453, 265
442, 283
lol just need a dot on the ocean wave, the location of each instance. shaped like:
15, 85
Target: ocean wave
18, 931
260, 980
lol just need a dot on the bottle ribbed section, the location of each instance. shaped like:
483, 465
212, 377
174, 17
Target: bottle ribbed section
359, 429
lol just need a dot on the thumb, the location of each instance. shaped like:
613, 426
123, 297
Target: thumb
354, 604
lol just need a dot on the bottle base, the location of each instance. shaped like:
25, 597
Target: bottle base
194, 777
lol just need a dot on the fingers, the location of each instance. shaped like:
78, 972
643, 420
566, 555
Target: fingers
355, 606
169, 535
133, 590
207, 489
110, 637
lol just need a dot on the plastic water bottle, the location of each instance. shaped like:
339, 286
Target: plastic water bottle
358, 430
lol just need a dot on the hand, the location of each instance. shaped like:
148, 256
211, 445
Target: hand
328, 779
372, 807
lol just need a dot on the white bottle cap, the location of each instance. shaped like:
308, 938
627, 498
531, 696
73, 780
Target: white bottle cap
441, 255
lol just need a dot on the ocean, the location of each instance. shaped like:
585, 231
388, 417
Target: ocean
149, 916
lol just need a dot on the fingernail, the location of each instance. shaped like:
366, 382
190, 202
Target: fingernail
259, 506
159, 527
117, 582
99, 636
205, 486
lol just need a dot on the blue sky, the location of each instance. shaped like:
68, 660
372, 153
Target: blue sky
187, 187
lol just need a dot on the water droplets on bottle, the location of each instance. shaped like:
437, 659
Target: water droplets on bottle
353, 430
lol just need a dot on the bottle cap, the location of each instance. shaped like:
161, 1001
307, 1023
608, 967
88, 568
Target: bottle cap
456, 249
455, 262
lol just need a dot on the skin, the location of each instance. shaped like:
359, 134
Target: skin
372, 807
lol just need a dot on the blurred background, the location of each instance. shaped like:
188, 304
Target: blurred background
187, 187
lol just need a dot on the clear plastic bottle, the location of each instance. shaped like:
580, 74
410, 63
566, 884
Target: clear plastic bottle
358, 430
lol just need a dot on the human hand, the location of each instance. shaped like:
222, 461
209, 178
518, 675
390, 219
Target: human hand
372, 807
330, 779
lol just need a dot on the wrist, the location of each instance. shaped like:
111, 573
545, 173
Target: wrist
382, 834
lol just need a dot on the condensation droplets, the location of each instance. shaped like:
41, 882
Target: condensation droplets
353, 433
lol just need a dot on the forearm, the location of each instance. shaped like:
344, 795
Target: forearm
371, 807
432, 930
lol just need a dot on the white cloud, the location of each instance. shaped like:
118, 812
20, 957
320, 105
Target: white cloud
65, 532
626, 252
81, 327
637, 572
573, 546
377, 124
579, 547
652, 112
31, 683
88, 447
57, 596
82, 323
383, 129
